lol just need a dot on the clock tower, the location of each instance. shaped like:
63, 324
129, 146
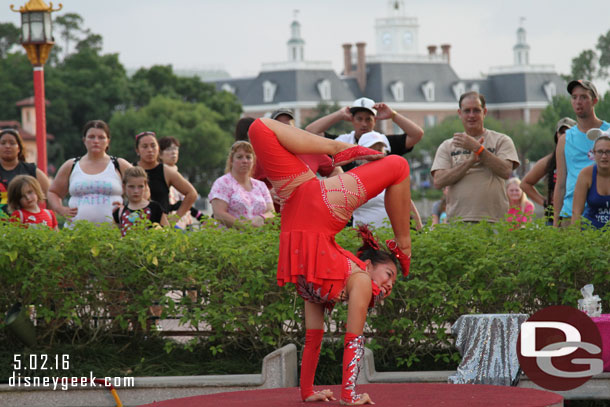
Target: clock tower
396, 34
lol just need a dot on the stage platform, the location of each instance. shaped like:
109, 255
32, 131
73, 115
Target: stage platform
384, 395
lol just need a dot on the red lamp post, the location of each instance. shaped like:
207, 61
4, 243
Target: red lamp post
37, 39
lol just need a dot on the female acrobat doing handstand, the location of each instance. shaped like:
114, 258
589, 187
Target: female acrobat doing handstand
313, 212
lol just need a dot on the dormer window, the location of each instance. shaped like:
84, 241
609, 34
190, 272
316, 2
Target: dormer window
228, 88
269, 89
324, 89
428, 90
458, 90
550, 90
398, 91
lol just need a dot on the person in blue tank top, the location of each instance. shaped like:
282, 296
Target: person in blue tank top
574, 149
593, 184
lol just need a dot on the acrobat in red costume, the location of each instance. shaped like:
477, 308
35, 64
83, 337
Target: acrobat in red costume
313, 212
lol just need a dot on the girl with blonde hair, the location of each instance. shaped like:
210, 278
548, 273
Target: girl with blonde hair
520, 208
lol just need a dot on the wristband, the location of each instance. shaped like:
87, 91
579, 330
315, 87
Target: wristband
480, 150
394, 113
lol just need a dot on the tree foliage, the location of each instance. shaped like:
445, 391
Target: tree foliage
83, 87
195, 125
324, 109
15, 84
585, 65
603, 46
592, 63
9, 37
70, 25
83, 84
559, 108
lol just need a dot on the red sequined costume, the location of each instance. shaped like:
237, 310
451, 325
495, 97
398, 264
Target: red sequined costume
313, 212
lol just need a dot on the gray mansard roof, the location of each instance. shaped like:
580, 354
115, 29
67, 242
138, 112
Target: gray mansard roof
380, 76
292, 85
301, 85
523, 87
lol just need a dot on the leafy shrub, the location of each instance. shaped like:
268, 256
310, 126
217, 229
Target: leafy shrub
90, 285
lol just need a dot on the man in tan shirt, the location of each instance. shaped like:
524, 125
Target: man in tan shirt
475, 165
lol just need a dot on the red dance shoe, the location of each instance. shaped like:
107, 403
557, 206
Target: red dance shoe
405, 261
355, 153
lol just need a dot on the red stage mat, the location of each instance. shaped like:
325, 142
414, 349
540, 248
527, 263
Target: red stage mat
384, 395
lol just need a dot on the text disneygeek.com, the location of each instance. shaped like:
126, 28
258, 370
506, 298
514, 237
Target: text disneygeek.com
64, 383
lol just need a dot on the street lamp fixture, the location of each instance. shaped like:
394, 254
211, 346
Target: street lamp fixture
37, 39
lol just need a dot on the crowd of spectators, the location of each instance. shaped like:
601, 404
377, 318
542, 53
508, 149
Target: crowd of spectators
473, 168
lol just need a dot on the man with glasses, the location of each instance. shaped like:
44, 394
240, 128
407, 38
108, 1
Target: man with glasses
475, 165
574, 149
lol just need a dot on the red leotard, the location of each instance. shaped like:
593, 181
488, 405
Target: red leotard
314, 210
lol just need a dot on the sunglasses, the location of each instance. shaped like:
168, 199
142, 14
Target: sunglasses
9, 131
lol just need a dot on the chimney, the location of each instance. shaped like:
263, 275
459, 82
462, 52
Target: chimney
347, 59
431, 49
445, 49
361, 66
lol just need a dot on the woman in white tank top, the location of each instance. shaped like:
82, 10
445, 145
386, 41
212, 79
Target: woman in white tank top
93, 180
94, 194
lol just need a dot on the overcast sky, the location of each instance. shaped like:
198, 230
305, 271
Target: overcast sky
240, 35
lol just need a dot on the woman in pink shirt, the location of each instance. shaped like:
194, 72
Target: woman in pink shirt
236, 197
520, 208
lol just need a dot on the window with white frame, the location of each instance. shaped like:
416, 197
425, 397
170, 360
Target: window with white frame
458, 89
430, 120
474, 87
324, 89
428, 90
398, 91
228, 88
550, 90
269, 89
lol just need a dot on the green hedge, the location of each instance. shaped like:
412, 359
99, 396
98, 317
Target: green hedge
88, 284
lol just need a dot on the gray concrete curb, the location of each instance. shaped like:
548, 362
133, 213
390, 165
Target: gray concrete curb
279, 370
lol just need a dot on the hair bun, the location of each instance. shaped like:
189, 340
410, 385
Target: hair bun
368, 239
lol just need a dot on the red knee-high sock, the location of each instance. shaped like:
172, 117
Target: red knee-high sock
309, 362
353, 352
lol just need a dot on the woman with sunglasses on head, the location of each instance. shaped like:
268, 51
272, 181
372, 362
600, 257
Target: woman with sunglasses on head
93, 181
161, 177
313, 212
593, 184
12, 163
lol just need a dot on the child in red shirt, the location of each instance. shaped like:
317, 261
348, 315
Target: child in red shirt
24, 197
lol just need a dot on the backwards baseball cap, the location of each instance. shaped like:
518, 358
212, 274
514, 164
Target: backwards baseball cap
363, 104
594, 134
565, 122
277, 113
588, 85
371, 138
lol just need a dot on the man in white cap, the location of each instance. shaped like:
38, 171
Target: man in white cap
373, 212
364, 114
573, 149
